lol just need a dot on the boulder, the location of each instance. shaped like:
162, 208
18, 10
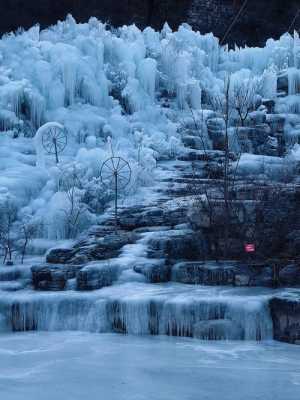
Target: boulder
175, 245
290, 275
293, 243
155, 271
214, 170
216, 132
254, 274
53, 277
271, 146
136, 217
257, 117
260, 134
10, 274
242, 280
269, 104
199, 217
203, 273
97, 275
205, 155
276, 122
285, 312
244, 134
59, 256
193, 142
100, 248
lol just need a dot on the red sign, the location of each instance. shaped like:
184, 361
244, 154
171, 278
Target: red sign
250, 248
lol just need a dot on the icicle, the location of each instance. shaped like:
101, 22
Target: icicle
296, 50
43, 75
134, 95
138, 311
70, 80
12, 94
181, 79
37, 106
166, 30
269, 80
56, 95
8, 120
152, 41
294, 81
195, 94
34, 33
90, 92
147, 76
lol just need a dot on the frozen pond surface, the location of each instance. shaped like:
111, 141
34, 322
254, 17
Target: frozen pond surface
73, 366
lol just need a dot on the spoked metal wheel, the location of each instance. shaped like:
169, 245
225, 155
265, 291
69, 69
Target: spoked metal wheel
54, 140
115, 170
115, 174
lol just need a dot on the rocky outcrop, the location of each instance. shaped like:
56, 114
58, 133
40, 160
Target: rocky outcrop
285, 313
253, 26
175, 245
53, 277
100, 245
240, 274
204, 273
216, 132
59, 256
155, 271
289, 275
97, 275
101, 248
193, 142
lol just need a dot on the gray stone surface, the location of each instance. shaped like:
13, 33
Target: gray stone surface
290, 275
285, 313
193, 142
155, 271
175, 245
204, 273
100, 248
97, 275
53, 277
59, 256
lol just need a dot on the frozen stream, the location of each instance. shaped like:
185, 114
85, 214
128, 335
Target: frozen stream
142, 309
81, 365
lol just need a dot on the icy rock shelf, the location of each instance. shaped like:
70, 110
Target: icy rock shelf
140, 309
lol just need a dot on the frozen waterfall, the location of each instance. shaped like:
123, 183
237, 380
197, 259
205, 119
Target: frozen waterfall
139, 309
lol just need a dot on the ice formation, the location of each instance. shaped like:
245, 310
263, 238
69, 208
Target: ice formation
125, 84
139, 309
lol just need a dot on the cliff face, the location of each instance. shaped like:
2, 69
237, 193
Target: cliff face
260, 19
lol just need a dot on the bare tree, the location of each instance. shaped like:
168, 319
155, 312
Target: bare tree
222, 105
27, 231
217, 200
243, 98
76, 208
8, 213
228, 216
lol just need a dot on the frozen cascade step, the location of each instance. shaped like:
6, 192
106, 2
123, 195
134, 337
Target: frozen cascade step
139, 309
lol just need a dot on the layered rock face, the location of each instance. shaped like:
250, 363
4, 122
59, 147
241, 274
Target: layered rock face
259, 20
46, 12
285, 312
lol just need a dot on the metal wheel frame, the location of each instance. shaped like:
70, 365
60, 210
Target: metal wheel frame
111, 175
54, 141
